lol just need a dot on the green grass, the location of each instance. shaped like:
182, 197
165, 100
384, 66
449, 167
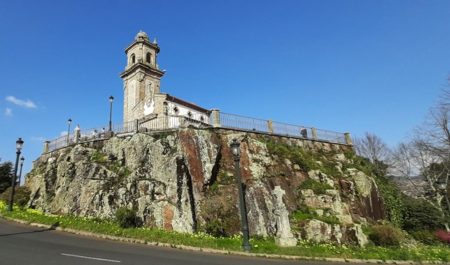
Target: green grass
259, 245
316, 186
299, 216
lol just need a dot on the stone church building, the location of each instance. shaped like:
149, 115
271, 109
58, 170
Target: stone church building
143, 100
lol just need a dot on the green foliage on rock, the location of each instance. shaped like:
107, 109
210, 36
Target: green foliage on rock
308, 214
393, 199
307, 160
98, 157
126, 217
295, 154
316, 186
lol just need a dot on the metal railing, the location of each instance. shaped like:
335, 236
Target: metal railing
156, 124
239, 122
218, 119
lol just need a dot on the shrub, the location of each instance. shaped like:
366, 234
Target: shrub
126, 217
420, 215
424, 236
385, 235
220, 214
21, 196
443, 236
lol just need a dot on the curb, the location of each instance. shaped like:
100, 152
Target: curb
218, 251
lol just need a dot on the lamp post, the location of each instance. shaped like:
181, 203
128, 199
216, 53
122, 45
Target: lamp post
19, 144
111, 99
235, 149
69, 121
20, 170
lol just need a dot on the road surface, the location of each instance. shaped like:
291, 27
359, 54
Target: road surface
22, 244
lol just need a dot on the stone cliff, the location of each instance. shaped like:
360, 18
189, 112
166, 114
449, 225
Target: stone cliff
183, 181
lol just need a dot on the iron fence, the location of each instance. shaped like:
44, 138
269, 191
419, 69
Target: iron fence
222, 120
232, 121
242, 123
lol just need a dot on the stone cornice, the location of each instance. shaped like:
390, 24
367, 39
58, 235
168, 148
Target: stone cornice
146, 68
153, 45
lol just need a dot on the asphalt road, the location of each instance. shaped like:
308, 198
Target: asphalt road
21, 244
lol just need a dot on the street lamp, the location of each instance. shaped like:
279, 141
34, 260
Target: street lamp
111, 99
19, 144
235, 149
69, 121
20, 170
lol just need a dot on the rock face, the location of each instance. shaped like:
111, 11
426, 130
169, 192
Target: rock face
183, 181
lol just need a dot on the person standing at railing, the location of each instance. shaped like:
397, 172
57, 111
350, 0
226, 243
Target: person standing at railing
77, 133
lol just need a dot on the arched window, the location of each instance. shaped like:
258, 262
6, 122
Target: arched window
148, 57
133, 58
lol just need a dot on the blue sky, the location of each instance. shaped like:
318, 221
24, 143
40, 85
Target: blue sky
345, 65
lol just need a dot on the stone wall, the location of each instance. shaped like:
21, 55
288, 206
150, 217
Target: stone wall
183, 181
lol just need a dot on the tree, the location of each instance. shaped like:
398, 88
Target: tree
428, 155
373, 148
6, 174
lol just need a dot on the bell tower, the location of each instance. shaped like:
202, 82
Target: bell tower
141, 78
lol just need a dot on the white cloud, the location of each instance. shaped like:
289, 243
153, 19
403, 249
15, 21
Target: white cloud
38, 138
63, 133
23, 103
8, 112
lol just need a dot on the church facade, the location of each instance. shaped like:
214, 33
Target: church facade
143, 99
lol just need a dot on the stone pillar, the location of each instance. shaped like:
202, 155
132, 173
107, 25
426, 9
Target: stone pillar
270, 126
46, 146
77, 134
181, 121
166, 115
348, 138
314, 133
215, 118
284, 236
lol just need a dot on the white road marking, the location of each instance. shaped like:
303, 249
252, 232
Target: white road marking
85, 257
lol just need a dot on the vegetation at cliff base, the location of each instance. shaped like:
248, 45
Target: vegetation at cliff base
233, 243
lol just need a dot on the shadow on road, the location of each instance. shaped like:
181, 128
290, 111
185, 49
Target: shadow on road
53, 227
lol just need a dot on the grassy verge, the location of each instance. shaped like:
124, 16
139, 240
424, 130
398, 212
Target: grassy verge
266, 246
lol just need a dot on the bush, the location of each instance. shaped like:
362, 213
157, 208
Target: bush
21, 196
385, 235
424, 236
420, 215
126, 217
220, 214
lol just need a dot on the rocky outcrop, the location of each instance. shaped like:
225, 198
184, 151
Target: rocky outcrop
183, 181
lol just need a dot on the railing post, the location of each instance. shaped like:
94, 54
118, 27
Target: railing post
136, 123
215, 118
46, 145
270, 126
314, 133
77, 134
348, 138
